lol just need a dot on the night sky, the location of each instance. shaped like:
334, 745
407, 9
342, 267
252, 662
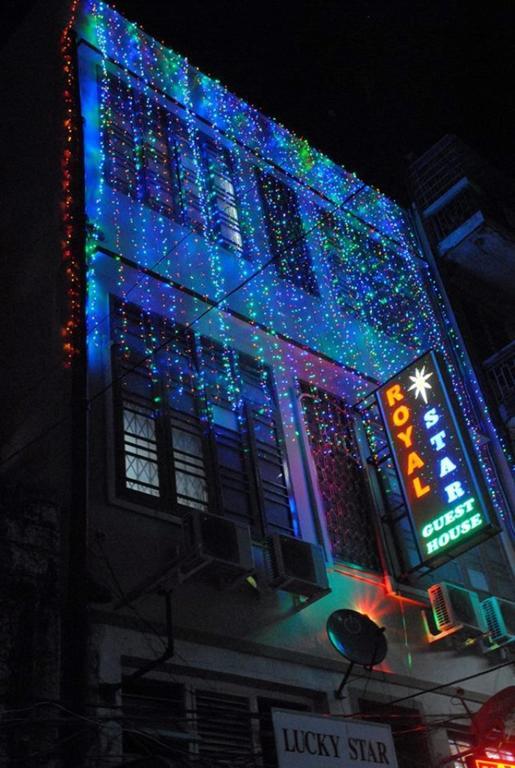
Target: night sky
366, 81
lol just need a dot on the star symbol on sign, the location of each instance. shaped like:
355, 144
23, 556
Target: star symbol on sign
420, 383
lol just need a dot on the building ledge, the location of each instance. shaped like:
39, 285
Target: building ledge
446, 197
461, 232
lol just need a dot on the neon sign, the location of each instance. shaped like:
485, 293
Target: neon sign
441, 487
493, 764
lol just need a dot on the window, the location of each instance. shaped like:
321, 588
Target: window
371, 299
197, 426
285, 233
162, 452
225, 218
408, 730
151, 155
200, 725
190, 183
265, 445
341, 478
159, 164
155, 723
119, 137
248, 443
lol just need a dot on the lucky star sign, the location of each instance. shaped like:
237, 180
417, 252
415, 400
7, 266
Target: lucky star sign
441, 483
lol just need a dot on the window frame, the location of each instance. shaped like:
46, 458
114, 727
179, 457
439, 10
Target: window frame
166, 502
108, 80
180, 145
363, 478
260, 699
364, 704
286, 254
175, 211
215, 155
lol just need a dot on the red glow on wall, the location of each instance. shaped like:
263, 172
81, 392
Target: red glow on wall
376, 608
373, 606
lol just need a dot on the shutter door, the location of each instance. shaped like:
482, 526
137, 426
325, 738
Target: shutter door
224, 729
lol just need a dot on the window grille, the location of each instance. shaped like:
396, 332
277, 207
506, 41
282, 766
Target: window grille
140, 447
224, 729
163, 444
501, 374
286, 233
341, 478
200, 726
154, 721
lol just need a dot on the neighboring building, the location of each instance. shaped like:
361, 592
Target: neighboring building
467, 211
199, 310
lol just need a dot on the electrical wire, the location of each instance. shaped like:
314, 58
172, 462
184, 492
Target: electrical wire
122, 595
45, 752
182, 755
436, 688
142, 619
218, 304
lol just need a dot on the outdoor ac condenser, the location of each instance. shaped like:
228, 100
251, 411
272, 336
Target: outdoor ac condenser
216, 547
499, 616
456, 609
297, 566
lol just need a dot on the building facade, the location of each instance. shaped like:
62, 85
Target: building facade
202, 309
466, 210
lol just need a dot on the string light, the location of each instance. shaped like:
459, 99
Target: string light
355, 292
69, 253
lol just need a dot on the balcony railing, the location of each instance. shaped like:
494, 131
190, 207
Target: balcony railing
456, 211
500, 369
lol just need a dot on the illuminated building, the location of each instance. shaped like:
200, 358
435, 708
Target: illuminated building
216, 449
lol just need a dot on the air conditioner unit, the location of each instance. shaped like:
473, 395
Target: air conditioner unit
499, 616
455, 609
216, 547
297, 566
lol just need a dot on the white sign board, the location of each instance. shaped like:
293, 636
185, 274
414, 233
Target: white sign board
304, 740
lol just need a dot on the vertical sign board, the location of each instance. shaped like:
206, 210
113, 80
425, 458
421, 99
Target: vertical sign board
304, 740
436, 466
